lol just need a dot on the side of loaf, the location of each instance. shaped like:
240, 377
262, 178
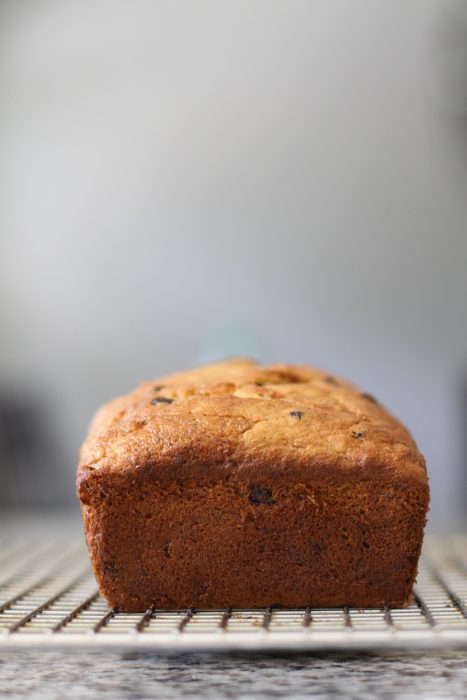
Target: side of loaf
241, 485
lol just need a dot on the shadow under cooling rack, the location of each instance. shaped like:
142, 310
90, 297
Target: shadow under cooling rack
48, 597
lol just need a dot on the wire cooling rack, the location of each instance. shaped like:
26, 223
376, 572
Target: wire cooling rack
48, 596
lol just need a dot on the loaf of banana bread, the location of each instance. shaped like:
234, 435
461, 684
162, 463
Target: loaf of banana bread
241, 485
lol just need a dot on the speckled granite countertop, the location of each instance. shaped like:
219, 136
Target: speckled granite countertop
45, 675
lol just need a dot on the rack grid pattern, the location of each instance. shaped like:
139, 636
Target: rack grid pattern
48, 596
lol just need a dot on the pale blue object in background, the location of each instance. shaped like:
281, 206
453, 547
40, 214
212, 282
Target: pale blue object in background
226, 340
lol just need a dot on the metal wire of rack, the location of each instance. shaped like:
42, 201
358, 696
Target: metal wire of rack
48, 596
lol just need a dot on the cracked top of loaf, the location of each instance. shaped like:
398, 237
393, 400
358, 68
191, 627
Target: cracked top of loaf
290, 421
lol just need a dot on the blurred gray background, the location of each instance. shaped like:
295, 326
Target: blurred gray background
185, 180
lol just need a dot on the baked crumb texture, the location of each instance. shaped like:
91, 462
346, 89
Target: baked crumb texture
240, 485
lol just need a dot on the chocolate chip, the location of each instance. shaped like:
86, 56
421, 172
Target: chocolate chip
159, 387
161, 399
260, 383
296, 414
110, 568
331, 380
370, 397
358, 434
259, 495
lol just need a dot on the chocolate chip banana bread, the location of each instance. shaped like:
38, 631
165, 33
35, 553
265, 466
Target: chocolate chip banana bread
239, 485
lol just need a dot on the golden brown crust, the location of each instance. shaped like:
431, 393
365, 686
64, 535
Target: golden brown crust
236, 425
239, 411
